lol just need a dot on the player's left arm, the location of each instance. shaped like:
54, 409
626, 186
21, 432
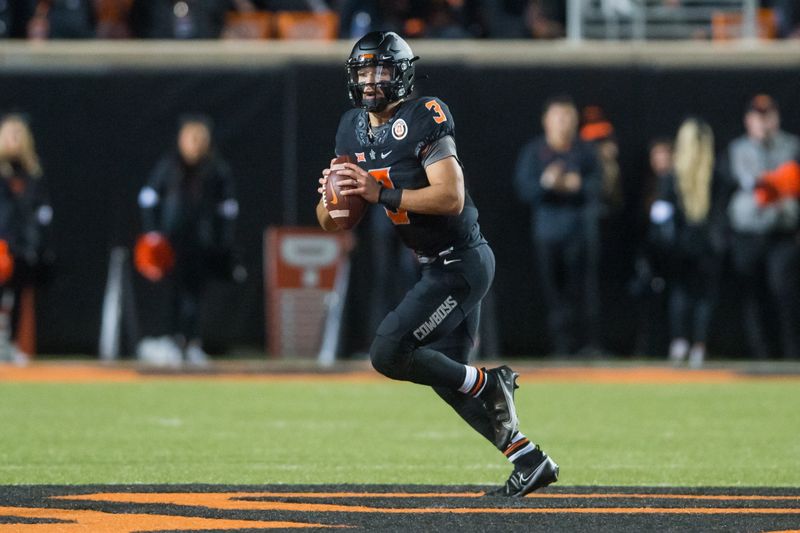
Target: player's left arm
444, 195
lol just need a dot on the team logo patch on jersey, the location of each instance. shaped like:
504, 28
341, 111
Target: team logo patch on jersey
400, 129
361, 157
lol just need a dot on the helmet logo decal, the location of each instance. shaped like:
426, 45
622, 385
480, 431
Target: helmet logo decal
400, 129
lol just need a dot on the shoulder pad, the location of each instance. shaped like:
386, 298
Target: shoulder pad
430, 119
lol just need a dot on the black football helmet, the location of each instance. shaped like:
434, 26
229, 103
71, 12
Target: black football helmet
394, 69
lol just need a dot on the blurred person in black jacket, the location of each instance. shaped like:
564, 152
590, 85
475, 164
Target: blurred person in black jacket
25, 216
687, 233
190, 200
647, 285
559, 176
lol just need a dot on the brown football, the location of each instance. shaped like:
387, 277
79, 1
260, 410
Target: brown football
346, 211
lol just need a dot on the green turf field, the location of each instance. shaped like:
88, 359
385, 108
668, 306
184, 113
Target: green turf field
742, 433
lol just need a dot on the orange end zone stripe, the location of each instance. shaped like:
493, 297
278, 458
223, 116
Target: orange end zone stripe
141, 497
717, 497
235, 500
83, 520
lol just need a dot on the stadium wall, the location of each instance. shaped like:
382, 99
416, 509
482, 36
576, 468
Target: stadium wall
103, 112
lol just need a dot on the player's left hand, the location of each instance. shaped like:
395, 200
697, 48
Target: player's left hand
362, 182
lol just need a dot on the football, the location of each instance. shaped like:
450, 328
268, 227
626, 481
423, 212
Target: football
346, 211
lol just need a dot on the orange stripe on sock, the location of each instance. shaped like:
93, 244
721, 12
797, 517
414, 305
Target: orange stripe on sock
478, 383
516, 447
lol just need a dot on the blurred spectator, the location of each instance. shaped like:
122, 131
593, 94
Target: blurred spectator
765, 252
504, 19
516, 19
444, 20
545, 19
597, 129
660, 161
113, 19
62, 19
687, 233
788, 15
190, 200
294, 5
182, 19
606, 225
357, 18
25, 216
559, 176
648, 284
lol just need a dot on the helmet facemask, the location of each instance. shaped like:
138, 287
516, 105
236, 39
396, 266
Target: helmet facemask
373, 83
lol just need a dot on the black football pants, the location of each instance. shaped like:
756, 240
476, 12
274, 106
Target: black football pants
428, 337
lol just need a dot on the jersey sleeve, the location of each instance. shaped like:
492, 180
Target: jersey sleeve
438, 150
432, 121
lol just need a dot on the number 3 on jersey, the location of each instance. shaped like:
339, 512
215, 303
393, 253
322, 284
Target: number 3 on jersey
381, 175
439, 115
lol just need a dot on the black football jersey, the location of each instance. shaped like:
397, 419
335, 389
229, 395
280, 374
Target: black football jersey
392, 154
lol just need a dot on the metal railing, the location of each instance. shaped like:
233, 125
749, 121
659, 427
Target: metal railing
655, 19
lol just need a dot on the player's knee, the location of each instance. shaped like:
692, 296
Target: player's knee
389, 358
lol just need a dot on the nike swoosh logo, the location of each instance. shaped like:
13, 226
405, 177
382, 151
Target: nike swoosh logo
448, 261
335, 199
385, 155
525, 480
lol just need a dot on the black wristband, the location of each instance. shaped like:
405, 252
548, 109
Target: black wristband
390, 198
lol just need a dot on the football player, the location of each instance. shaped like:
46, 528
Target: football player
405, 160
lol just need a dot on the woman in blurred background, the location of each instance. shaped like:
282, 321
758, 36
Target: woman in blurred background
25, 215
687, 229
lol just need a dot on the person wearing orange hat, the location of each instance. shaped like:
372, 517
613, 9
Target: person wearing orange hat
559, 176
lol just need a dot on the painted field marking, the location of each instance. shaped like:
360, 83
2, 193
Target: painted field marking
58, 520
252, 501
77, 521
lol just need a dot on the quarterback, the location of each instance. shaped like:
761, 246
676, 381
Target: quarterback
405, 159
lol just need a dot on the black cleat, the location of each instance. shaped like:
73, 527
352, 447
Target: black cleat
500, 404
526, 480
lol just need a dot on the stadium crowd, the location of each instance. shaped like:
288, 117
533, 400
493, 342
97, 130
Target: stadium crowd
344, 19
